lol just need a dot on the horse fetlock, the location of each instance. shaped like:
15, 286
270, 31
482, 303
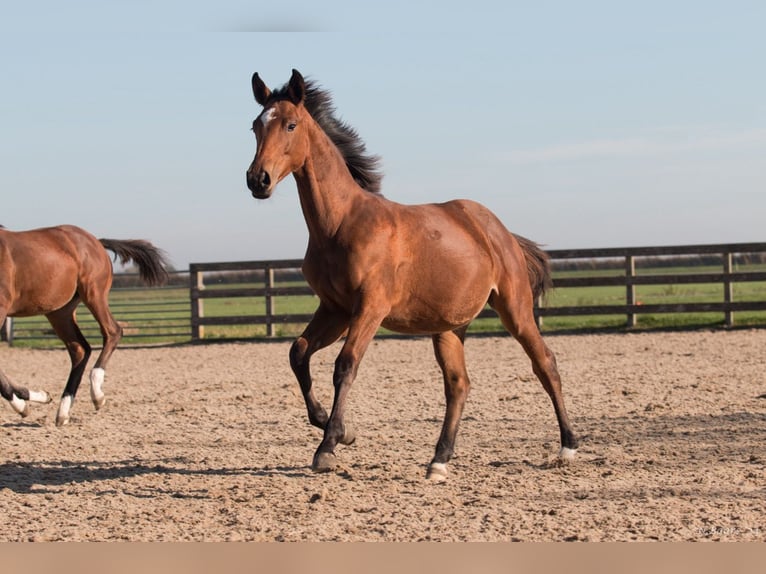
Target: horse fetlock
437, 472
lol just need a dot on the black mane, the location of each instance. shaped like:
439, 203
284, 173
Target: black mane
364, 167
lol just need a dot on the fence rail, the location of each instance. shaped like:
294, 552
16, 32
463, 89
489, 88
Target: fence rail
226, 296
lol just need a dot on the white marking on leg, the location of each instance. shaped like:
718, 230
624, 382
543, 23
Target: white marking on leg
62, 417
19, 405
437, 472
567, 453
39, 397
96, 380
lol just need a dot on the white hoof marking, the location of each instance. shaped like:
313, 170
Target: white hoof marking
62, 417
567, 453
437, 472
39, 397
96, 394
19, 405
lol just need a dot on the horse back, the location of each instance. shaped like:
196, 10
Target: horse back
42, 269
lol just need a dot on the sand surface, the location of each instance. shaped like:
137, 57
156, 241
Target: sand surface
211, 442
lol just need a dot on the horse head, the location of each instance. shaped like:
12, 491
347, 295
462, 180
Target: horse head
281, 134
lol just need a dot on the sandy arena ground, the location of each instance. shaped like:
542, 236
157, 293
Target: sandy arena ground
211, 442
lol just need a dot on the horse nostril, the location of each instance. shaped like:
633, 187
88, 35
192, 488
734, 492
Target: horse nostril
265, 180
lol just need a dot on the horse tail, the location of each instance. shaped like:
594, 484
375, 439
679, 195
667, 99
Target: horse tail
538, 266
151, 261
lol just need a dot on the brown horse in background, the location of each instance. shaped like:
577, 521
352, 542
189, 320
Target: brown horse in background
48, 272
419, 269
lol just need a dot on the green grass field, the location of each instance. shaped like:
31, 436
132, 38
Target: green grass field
163, 315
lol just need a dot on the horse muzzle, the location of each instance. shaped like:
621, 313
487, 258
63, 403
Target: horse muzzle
259, 183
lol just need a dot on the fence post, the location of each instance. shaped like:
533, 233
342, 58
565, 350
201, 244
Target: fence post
6, 331
727, 289
196, 284
536, 309
630, 288
268, 275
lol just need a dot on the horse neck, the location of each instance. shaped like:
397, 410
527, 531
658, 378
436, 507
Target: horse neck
326, 188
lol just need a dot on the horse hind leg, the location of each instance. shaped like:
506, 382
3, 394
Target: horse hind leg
518, 317
19, 397
449, 351
111, 333
65, 326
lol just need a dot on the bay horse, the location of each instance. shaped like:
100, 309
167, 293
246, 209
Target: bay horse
415, 269
48, 271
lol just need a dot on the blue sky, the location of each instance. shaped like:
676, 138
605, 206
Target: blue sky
587, 124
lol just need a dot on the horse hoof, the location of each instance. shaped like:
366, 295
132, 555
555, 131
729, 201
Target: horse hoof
62, 415
324, 462
567, 454
20, 406
349, 435
40, 397
96, 381
437, 472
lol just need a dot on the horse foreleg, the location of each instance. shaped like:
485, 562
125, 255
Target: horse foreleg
360, 333
324, 329
19, 397
448, 348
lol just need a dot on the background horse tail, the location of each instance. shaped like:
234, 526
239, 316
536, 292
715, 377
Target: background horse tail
538, 266
150, 260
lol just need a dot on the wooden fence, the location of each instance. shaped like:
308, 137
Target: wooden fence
621, 260
200, 291
727, 276
180, 314
147, 315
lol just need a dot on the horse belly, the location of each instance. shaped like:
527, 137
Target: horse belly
436, 312
41, 297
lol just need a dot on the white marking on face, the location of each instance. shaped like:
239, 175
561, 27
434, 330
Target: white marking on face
96, 380
267, 115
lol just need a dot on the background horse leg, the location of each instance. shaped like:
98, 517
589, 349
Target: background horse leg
450, 355
518, 317
111, 334
65, 326
16, 395
324, 329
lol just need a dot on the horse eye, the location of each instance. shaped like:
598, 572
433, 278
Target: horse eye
290, 127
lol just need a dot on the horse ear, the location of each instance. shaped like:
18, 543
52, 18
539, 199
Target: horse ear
260, 90
296, 89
